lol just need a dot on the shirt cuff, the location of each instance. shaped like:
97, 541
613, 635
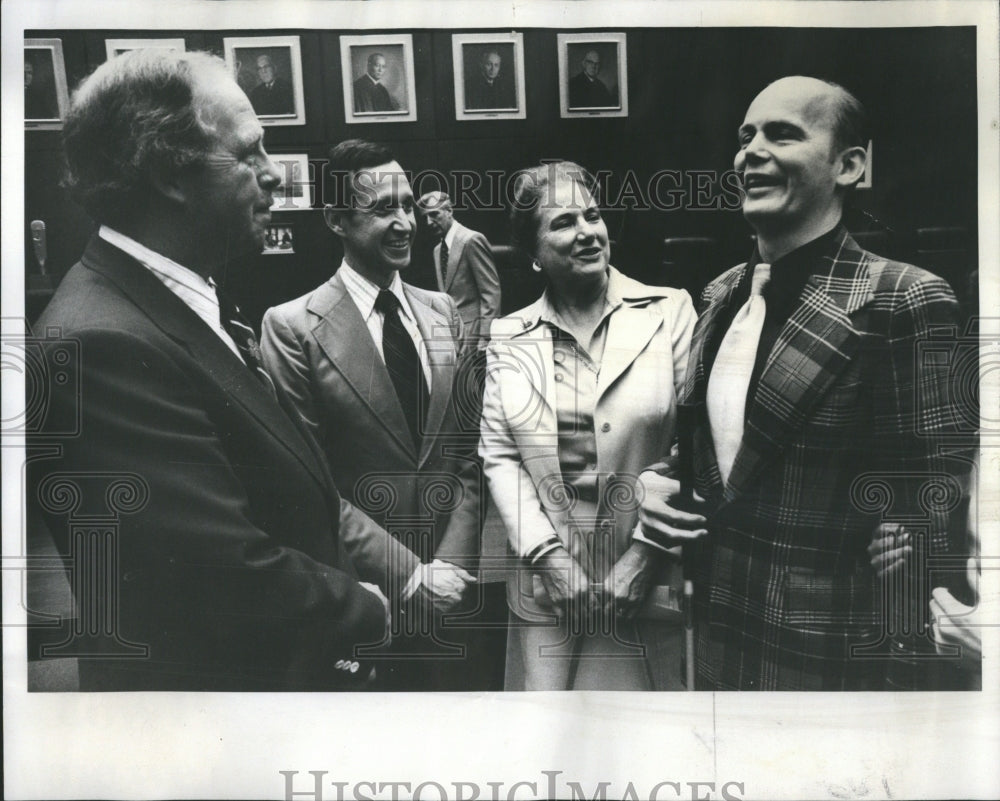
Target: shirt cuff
650, 539
414, 583
544, 547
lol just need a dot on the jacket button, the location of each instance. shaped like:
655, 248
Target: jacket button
559, 377
606, 427
339, 664
354, 667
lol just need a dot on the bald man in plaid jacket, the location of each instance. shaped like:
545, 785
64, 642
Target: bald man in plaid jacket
831, 397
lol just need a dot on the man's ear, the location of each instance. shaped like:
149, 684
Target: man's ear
171, 184
334, 219
852, 166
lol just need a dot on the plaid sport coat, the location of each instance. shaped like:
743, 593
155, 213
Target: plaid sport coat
841, 426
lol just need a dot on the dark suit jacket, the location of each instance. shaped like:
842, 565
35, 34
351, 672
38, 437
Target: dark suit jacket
785, 587
276, 100
371, 96
584, 93
319, 350
472, 281
233, 571
483, 95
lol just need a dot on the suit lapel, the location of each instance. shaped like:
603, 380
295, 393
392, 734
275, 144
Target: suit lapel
344, 337
817, 342
173, 317
437, 265
439, 341
629, 332
455, 255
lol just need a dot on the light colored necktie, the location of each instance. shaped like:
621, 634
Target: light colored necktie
731, 371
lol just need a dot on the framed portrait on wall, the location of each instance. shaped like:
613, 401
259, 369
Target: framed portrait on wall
115, 47
279, 240
489, 75
296, 190
269, 70
593, 75
46, 98
378, 78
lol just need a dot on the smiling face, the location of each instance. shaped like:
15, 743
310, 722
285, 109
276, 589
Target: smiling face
378, 231
572, 244
491, 66
376, 66
228, 197
792, 173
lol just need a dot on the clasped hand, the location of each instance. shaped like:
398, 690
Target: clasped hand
622, 592
660, 514
445, 583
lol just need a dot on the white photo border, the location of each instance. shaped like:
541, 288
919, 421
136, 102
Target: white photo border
231, 44
458, 67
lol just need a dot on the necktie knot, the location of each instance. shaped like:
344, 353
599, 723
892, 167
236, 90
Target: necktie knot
761, 275
386, 302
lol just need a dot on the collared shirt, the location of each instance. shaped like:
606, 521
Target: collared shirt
789, 275
364, 292
449, 237
197, 293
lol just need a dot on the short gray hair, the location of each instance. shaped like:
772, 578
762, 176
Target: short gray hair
133, 117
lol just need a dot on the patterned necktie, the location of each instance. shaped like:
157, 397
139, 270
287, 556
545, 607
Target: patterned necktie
238, 327
731, 371
403, 364
443, 259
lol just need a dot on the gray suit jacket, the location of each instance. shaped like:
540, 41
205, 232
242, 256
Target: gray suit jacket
472, 281
321, 354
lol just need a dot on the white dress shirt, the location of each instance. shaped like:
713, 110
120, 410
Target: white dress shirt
197, 293
364, 292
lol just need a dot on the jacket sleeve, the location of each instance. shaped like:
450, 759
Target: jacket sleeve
510, 484
484, 273
211, 575
378, 557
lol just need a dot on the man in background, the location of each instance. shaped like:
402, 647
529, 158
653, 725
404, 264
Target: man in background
490, 88
463, 264
273, 94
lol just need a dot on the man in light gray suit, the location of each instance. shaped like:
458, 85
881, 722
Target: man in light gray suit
369, 363
464, 267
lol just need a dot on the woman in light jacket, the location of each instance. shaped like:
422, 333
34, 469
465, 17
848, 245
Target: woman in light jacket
580, 396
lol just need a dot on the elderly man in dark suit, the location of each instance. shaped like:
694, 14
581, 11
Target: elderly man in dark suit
491, 88
370, 94
273, 95
586, 89
371, 363
464, 267
804, 378
230, 562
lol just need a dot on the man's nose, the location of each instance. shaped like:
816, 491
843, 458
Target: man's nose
268, 174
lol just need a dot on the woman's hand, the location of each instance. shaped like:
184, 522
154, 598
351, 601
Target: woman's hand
629, 580
566, 583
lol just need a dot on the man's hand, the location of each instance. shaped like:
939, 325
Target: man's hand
661, 519
445, 583
566, 583
628, 583
889, 549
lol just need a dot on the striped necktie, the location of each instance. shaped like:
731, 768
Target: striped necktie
403, 363
443, 260
730, 379
238, 327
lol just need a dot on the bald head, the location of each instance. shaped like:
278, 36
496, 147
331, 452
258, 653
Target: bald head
829, 102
